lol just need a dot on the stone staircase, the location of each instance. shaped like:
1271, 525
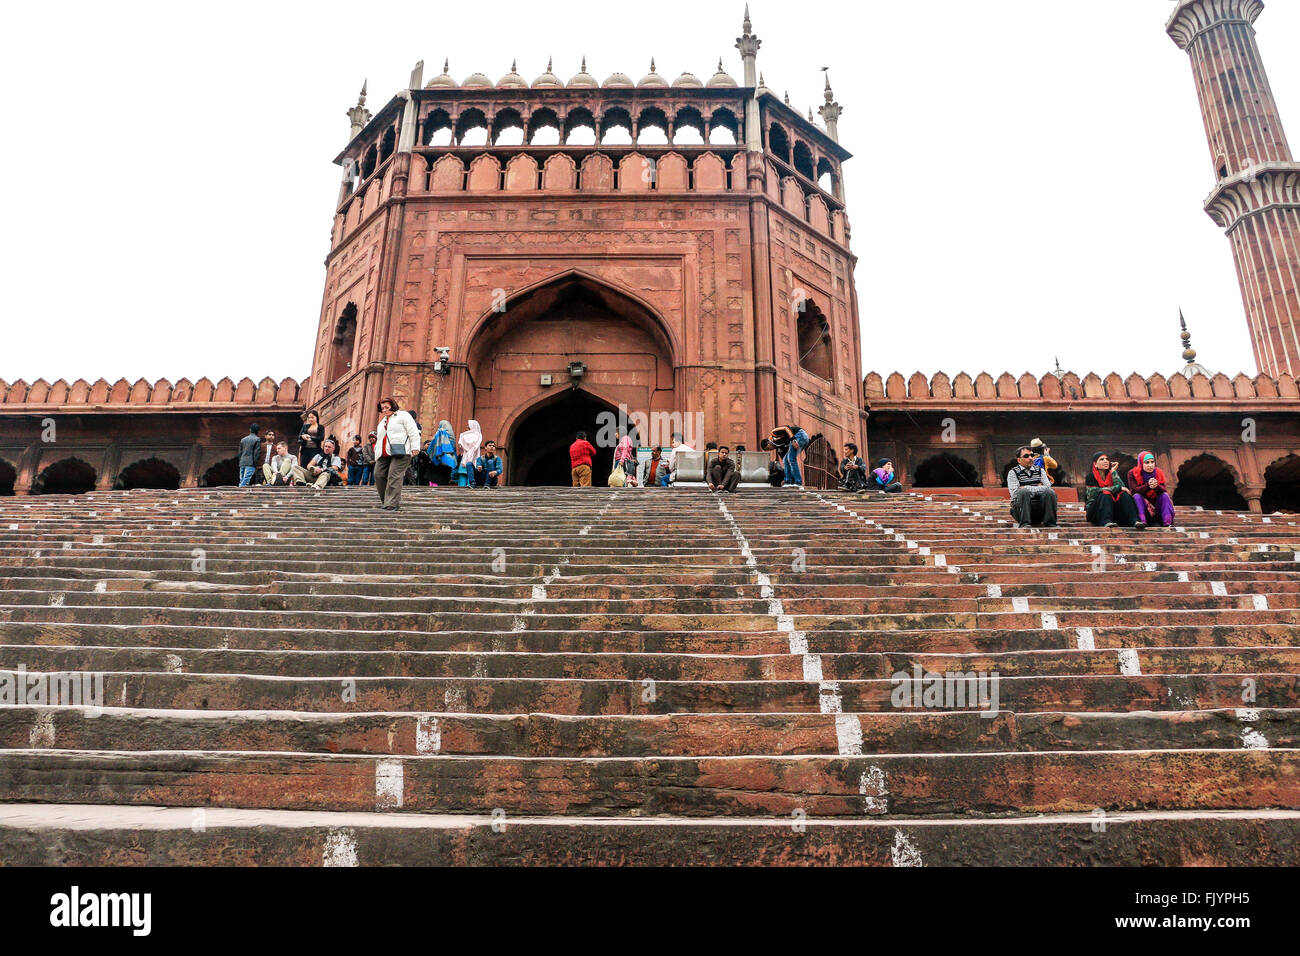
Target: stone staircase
556, 676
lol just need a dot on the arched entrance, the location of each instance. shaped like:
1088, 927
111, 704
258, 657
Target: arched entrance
1207, 481
1282, 488
150, 473
558, 354
946, 470
70, 476
8, 477
537, 450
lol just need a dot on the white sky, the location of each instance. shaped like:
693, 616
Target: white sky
1028, 175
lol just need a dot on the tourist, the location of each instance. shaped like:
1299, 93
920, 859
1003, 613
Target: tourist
442, 453
789, 441
1043, 459
311, 436
398, 439
1031, 492
1146, 483
283, 469
679, 445
654, 473
775, 469
581, 455
368, 455
269, 441
1109, 502
326, 468
487, 467
625, 458
469, 443
723, 475
882, 478
852, 469
248, 450
356, 462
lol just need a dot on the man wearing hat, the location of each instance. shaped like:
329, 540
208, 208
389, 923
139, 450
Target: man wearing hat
1043, 458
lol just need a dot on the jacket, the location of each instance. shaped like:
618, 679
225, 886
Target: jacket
249, 446
581, 452
721, 469
398, 428
1093, 490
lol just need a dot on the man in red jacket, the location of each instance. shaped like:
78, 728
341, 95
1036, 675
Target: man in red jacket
581, 455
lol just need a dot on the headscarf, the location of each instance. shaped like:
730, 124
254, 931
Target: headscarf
470, 442
442, 449
1139, 477
1106, 482
624, 451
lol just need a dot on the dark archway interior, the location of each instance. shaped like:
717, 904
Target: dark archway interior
8, 475
1281, 488
539, 445
71, 476
1207, 481
946, 471
222, 473
150, 473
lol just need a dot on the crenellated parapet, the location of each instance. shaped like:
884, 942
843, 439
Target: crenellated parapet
1071, 392
82, 397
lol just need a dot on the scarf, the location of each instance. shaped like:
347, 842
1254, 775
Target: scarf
443, 447
1139, 478
470, 442
624, 450
1105, 482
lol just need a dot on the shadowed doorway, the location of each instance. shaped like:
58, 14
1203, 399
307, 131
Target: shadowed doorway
538, 452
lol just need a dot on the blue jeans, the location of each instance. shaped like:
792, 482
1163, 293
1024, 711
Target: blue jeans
792, 473
664, 479
356, 475
367, 474
481, 479
246, 475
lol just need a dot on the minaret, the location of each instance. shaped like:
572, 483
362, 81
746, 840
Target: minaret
1256, 198
359, 116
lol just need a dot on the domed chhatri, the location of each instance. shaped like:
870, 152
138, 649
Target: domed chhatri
475, 80
512, 80
443, 81
584, 79
722, 79
688, 81
617, 81
548, 80
653, 78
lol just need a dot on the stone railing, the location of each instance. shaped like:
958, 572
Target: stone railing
143, 396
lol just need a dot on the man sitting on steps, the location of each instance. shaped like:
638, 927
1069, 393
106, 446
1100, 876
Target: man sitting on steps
722, 472
326, 468
1031, 491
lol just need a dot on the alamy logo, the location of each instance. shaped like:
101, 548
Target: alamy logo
74, 908
59, 689
953, 690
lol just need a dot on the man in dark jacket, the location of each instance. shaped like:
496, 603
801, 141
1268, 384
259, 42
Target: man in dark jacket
722, 472
248, 449
1031, 490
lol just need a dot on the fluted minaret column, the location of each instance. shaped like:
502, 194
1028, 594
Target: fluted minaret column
1257, 195
748, 45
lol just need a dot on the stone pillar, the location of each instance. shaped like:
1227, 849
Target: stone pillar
1254, 495
110, 465
191, 479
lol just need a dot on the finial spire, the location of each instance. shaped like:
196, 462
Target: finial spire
550, 63
359, 116
514, 66
749, 27
1189, 353
584, 64
831, 110
787, 97
719, 64
446, 65
652, 64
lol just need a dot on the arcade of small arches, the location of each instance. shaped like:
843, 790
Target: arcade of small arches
1204, 479
73, 475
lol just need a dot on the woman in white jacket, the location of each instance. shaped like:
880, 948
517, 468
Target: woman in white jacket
399, 439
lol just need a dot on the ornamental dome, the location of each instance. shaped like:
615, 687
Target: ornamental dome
547, 80
688, 80
584, 79
443, 80
512, 80
653, 78
721, 79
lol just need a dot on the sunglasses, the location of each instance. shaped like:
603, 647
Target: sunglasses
1026, 456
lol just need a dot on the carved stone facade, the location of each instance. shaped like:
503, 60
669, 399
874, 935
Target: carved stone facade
689, 273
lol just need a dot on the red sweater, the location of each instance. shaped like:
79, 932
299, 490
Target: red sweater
581, 452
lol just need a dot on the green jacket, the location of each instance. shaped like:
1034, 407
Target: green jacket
1092, 489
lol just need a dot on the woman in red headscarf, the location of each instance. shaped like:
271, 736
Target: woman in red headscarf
1109, 500
1147, 483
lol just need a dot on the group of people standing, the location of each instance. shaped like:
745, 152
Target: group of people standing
1137, 499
